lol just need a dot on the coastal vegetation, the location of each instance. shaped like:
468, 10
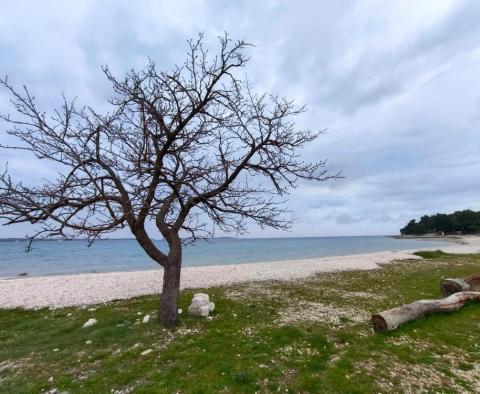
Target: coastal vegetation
189, 151
464, 222
312, 335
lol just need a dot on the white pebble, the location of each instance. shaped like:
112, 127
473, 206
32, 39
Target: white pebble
146, 319
89, 342
180, 311
145, 352
90, 322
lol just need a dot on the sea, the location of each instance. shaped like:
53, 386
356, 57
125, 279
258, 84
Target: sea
60, 257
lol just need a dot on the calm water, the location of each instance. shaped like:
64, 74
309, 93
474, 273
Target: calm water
68, 257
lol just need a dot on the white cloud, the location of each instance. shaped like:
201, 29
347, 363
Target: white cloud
395, 82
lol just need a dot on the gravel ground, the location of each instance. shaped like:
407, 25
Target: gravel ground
87, 289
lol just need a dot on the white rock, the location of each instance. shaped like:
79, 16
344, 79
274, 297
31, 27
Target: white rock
56, 349
50, 379
146, 319
180, 311
201, 298
139, 313
198, 310
89, 342
201, 305
145, 352
69, 314
90, 323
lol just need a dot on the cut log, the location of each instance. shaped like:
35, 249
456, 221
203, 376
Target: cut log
454, 285
393, 318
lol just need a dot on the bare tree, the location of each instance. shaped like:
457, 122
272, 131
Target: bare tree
182, 149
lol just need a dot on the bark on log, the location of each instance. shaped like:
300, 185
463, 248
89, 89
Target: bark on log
454, 285
393, 318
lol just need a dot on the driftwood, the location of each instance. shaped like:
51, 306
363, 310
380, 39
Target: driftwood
455, 285
391, 319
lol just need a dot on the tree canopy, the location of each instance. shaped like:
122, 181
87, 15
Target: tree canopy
188, 150
467, 221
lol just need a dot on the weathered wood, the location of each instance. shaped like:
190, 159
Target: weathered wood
391, 319
455, 285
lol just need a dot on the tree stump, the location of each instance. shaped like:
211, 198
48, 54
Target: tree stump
455, 285
391, 319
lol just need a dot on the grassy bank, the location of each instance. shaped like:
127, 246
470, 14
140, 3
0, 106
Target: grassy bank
308, 336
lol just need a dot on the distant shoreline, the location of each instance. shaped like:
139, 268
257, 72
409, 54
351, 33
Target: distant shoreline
445, 238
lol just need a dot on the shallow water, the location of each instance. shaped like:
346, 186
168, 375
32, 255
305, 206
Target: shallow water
67, 257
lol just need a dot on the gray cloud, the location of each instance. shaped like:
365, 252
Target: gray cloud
395, 83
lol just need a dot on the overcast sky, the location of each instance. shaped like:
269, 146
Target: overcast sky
396, 83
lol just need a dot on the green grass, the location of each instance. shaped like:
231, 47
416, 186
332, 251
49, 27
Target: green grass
431, 254
310, 336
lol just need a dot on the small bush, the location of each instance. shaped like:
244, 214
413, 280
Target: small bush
431, 254
242, 377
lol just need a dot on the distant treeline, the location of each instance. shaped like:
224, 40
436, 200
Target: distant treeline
468, 222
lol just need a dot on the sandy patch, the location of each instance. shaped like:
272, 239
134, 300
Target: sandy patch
317, 312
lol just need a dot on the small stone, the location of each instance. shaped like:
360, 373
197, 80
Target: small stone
145, 352
139, 313
56, 349
89, 342
146, 319
180, 311
91, 309
90, 323
50, 379
69, 314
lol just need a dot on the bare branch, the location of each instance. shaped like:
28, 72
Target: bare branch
183, 148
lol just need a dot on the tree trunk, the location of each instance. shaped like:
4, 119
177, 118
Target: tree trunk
455, 285
393, 318
168, 311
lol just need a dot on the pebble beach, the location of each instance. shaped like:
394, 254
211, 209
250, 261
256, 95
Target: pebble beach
88, 289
